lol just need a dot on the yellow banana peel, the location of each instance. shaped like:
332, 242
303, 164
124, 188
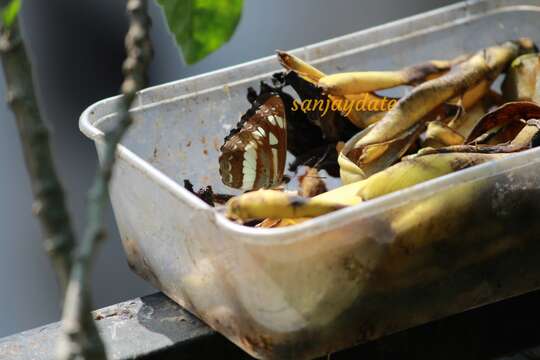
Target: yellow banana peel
358, 82
438, 134
275, 204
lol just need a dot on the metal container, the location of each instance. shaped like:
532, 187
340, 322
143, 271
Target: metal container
346, 277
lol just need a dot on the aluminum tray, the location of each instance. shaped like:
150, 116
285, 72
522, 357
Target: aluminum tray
342, 278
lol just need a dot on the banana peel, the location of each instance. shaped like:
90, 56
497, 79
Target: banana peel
438, 135
525, 139
311, 183
528, 136
509, 114
387, 153
275, 204
299, 66
485, 65
520, 81
458, 129
453, 130
473, 95
393, 150
474, 104
312, 75
466, 122
366, 106
358, 82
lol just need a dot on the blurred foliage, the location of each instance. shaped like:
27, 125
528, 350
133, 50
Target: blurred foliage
10, 11
201, 26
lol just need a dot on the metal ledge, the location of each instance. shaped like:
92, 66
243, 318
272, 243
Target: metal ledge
141, 328
154, 327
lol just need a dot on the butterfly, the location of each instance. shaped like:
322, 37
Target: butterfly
254, 153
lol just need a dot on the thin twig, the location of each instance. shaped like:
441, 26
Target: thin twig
49, 204
81, 340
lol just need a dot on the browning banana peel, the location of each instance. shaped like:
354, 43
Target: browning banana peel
311, 184
358, 82
311, 74
274, 204
302, 68
520, 82
414, 107
390, 152
466, 122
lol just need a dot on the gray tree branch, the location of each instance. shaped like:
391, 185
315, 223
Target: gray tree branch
80, 340
49, 204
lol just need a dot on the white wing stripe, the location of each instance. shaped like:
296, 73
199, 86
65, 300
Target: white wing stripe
273, 138
280, 121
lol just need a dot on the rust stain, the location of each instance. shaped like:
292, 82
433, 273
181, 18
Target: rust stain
188, 143
355, 270
122, 313
256, 343
217, 143
101, 316
205, 152
138, 263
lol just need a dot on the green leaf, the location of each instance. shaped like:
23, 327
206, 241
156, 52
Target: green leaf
201, 26
10, 12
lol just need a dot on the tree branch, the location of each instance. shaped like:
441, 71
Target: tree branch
49, 204
81, 340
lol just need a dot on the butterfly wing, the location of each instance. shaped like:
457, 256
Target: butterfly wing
253, 155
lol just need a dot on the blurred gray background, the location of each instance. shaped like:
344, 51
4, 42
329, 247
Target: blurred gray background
77, 51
